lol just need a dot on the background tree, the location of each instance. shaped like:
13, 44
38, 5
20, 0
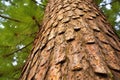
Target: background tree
18, 26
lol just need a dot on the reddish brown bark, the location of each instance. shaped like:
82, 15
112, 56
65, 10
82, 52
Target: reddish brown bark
75, 43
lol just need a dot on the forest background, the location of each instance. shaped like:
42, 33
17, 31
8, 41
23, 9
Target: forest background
20, 21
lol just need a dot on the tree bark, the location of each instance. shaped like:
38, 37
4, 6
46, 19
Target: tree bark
75, 42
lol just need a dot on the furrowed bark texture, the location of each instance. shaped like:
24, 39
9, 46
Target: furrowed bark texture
75, 43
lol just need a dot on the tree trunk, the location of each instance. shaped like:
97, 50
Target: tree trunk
75, 42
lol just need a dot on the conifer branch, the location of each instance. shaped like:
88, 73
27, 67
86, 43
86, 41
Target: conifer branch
5, 17
36, 21
7, 55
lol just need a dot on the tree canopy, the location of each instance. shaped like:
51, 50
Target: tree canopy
19, 23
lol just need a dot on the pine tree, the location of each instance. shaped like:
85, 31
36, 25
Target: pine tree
75, 42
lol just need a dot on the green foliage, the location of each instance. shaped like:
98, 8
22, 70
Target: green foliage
112, 14
18, 26
19, 22
98, 1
